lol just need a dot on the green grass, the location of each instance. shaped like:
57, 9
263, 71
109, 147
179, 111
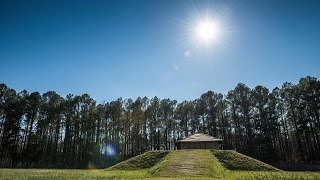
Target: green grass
262, 175
143, 161
233, 160
182, 164
43, 174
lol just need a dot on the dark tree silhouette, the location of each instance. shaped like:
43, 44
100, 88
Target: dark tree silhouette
282, 125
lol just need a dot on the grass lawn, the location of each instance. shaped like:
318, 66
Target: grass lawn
142, 174
14, 174
272, 175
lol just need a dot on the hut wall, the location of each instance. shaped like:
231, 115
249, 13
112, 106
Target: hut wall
209, 145
199, 145
184, 145
216, 145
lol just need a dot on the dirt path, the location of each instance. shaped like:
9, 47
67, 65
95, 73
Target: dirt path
187, 163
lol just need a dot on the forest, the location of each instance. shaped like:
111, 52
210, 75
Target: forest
51, 131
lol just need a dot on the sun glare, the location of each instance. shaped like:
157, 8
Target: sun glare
207, 31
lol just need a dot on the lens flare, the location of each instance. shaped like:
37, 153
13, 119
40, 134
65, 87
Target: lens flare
104, 155
91, 166
111, 150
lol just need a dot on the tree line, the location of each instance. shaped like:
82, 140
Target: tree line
47, 130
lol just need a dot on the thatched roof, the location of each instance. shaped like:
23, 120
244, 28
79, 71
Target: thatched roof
200, 137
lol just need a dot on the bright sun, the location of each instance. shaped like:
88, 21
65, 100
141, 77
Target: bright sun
207, 31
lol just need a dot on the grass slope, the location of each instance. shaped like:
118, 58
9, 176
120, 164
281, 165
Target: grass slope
143, 161
233, 160
188, 163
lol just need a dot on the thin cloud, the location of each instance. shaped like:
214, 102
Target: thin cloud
176, 67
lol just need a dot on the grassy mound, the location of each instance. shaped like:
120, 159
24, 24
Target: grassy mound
190, 163
143, 161
233, 160
181, 164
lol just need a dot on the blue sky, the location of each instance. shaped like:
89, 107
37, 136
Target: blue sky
112, 49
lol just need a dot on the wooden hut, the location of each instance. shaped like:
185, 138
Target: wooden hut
199, 141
